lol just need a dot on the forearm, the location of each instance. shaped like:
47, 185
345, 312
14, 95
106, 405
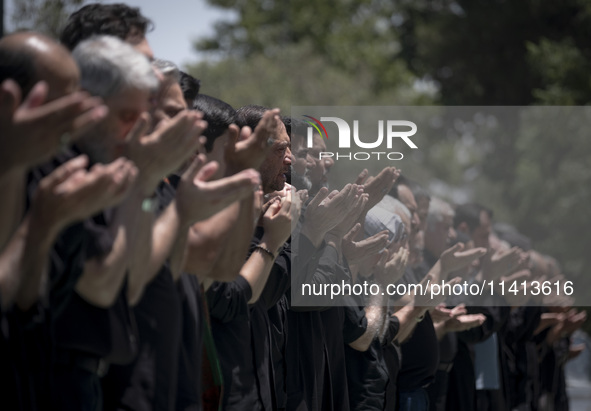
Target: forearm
440, 329
257, 268
11, 260
437, 274
12, 186
375, 317
408, 317
152, 246
34, 259
103, 276
385, 324
206, 241
234, 250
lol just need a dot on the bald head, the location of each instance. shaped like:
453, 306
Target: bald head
29, 57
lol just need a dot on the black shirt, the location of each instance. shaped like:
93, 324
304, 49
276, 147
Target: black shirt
420, 353
367, 373
230, 326
189, 390
150, 381
243, 335
77, 329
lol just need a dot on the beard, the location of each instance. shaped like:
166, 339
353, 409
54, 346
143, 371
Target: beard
300, 182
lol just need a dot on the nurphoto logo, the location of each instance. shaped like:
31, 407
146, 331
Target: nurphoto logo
387, 130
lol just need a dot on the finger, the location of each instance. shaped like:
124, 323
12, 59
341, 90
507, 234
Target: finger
454, 281
245, 180
286, 203
318, 198
303, 196
332, 194
62, 173
269, 203
273, 208
350, 236
245, 133
86, 121
473, 252
194, 168
207, 171
234, 136
65, 110
10, 98
362, 177
139, 129
36, 96
454, 249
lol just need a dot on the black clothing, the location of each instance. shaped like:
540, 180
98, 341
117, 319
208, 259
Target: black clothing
392, 358
150, 381
316, 377
189, 390
367, 377
244, 335
420, 357
83, 338
519, 358
420, 353
229, 311
462, 380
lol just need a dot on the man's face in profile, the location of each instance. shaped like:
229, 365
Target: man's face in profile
320, 167
276, 166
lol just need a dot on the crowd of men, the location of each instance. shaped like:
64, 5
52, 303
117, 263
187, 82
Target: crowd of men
146, 242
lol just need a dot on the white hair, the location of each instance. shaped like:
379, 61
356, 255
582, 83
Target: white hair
438, 211
168, 69
394, 206
108, 65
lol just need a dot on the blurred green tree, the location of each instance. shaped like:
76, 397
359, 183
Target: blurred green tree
45, 16
476, 53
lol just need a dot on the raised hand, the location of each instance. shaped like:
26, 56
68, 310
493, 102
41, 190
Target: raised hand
394, 267
464, 322
378, 186
501, 263
277, 222
427, 299
33, 130
351, 217
71, 193
251, 147
454, 258
357, 251
198, 199
441, 313
166, 149
323, 213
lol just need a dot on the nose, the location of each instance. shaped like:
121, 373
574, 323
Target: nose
287, 159
328, 163
144, 48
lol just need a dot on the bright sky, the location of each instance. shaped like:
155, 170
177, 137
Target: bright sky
178, 23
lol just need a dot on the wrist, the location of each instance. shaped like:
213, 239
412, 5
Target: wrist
42, 229
333, 238
270, 244
145, 185
315, 236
